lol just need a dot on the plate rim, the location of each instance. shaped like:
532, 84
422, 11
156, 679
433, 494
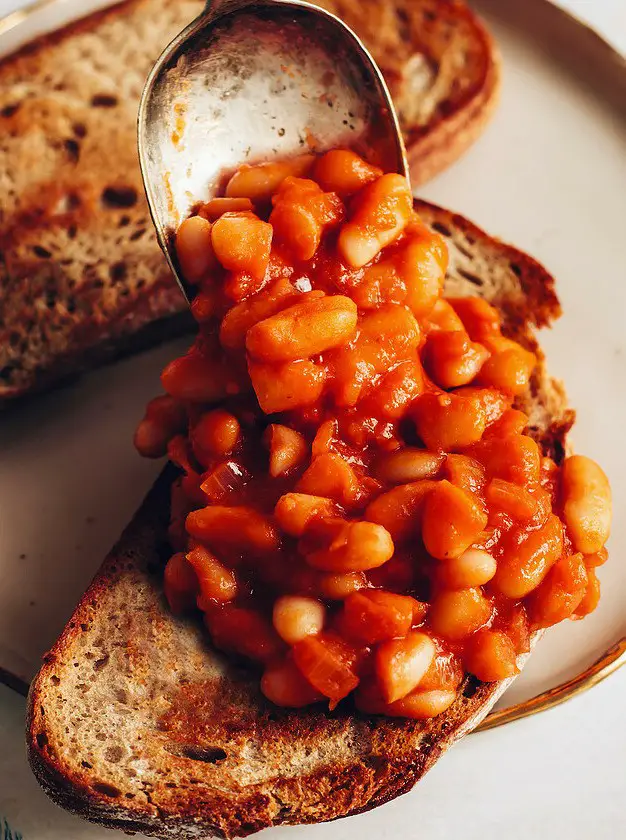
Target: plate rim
607, 76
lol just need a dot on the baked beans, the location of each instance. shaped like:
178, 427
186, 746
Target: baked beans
360, 510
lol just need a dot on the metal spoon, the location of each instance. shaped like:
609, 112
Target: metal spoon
249, 81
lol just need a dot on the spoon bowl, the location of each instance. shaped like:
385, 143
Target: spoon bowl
250, 81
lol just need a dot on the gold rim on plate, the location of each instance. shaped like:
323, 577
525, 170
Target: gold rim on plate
609, 662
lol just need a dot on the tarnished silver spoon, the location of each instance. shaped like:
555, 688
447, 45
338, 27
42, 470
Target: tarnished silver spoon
255, 80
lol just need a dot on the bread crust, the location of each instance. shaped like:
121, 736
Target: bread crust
135, 722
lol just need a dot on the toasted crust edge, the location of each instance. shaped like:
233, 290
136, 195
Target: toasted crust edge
119, 345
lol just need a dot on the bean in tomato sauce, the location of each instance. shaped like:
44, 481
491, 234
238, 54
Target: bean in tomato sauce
360, 510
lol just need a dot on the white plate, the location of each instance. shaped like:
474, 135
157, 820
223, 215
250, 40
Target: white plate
549, 175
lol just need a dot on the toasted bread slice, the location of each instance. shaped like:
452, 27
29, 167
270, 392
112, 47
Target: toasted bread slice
82, 276
134, 721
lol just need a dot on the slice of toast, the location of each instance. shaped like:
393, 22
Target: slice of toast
135, 722
82, 279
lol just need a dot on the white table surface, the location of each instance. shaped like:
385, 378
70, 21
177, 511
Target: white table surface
559, 775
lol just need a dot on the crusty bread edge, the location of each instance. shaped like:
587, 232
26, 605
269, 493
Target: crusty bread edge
115, 347
72, 27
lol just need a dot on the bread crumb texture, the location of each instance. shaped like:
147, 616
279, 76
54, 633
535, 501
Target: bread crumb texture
80, 269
